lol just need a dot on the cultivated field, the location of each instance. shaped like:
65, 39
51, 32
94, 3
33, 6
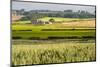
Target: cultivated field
66, 40
59, 19
44, 53
65, 29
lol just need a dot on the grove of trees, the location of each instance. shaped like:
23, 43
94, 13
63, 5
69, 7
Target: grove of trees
35, 14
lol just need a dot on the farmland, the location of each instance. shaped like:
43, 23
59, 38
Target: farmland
59, 19
71, 29
60, 42
46, 53
50, 33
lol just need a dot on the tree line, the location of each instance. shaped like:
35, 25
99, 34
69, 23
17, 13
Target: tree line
36, 14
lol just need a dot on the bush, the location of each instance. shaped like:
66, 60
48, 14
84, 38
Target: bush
51, 20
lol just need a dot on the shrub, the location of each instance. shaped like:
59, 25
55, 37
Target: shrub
51, 20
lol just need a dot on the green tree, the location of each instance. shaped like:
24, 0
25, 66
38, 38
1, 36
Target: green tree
51, 20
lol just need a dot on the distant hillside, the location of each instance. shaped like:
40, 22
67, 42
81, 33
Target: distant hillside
16, 18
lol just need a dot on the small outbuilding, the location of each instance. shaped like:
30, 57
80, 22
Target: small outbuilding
38, 22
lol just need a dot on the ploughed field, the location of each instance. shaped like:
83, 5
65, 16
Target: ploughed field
60, 42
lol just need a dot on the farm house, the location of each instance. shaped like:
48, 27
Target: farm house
40, 22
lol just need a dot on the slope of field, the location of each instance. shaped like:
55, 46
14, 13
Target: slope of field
34, 44
52, 53
14, 18
21, 22
80, 29
89, 23
46, 34
59, 19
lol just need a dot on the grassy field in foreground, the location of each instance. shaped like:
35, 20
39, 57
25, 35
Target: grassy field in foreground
52, 53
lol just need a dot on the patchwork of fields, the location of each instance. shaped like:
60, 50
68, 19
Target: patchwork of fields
49, 43
29, 31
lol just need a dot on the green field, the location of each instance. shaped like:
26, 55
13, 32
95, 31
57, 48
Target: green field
53, 34
36, 31
53, 43
27, 31
59, 19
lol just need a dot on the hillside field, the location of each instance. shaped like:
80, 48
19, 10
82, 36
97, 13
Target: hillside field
69, 40
59, 19
52, 53
65, 29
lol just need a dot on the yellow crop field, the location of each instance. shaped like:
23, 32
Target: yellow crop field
90, 23
52, 53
